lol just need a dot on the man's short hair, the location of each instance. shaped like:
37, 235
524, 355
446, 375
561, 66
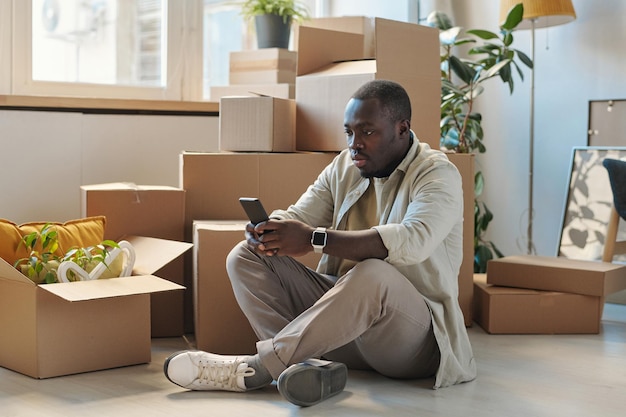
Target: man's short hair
392, 96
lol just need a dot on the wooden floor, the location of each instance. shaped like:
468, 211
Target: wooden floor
568, 375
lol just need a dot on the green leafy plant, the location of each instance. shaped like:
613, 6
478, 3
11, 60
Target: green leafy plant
490, 55
285, 8
43, 261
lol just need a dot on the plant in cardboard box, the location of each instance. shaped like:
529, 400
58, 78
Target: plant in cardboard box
44, 266
273, 19
490, 55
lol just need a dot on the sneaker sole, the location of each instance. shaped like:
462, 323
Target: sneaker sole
306, 385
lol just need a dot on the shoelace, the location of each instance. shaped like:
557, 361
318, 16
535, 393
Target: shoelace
223, 375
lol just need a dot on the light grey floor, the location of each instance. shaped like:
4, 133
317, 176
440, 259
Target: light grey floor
543, 375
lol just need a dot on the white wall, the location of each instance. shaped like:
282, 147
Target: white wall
51, 154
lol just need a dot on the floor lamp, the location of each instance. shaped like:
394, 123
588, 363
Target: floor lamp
537, 14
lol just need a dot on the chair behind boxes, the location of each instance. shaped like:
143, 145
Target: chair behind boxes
617, 177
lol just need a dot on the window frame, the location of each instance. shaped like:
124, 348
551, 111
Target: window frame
5, 45
184, 43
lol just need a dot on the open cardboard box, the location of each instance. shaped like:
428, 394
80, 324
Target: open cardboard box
66, 328
333, 64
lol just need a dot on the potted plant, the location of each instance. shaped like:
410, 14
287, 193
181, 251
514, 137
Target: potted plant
273, 19
489, 56
43, 261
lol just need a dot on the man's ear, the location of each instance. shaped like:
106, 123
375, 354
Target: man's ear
405, 127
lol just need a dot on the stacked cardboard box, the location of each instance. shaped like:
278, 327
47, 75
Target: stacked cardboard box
214, 222
544, 295
267, 72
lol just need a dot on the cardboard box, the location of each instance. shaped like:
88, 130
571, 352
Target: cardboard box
557, 274
151, 211
332, 65
220, 325
66, 328
506, 310
362, 25
257, 124
213, 182
263, 66
465, 164
253, 90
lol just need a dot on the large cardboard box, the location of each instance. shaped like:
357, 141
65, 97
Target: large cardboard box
507, 310
465, 164
66, 328
332, 65
213, 182
152, 211
557, 274
253, 90
220, 325
257, 124
263, 66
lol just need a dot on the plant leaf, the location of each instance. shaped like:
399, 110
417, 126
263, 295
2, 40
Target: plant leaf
514, 17
462, 70
439, 20
448, 36
483, 34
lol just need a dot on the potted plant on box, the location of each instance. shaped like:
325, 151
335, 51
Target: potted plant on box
489, 56
42, 263
273, 19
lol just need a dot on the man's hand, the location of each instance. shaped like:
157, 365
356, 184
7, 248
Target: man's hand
280, 237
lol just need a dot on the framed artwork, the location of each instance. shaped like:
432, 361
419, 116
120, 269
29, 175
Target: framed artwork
588, 204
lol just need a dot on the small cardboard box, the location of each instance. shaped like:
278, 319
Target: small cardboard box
257, 124
66, 328
557, 274
151, 211
253, 90
263, 66
220, 325
332, 65
506, 310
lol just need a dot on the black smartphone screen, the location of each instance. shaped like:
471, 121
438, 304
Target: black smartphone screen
254, 209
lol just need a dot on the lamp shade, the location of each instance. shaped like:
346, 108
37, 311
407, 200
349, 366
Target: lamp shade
545, 13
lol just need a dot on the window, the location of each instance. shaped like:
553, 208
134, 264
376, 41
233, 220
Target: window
103, 48
132, 49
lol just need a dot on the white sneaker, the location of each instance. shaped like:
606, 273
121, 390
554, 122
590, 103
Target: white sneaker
197, 370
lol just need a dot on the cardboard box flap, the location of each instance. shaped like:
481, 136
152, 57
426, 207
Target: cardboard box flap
116, 186
337, 46
108, 288
391, 42
153, 254
365, 66
7, 271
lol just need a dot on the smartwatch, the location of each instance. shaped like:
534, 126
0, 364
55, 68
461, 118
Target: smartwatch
318, 239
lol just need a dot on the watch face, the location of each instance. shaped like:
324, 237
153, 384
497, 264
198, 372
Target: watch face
319, 238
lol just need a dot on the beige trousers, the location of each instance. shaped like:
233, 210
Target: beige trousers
370, 318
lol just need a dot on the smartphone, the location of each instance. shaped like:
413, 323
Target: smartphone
254, 209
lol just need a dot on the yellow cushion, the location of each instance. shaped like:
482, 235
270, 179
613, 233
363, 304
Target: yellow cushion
82, 233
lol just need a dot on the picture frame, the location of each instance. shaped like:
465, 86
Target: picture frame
588, 204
